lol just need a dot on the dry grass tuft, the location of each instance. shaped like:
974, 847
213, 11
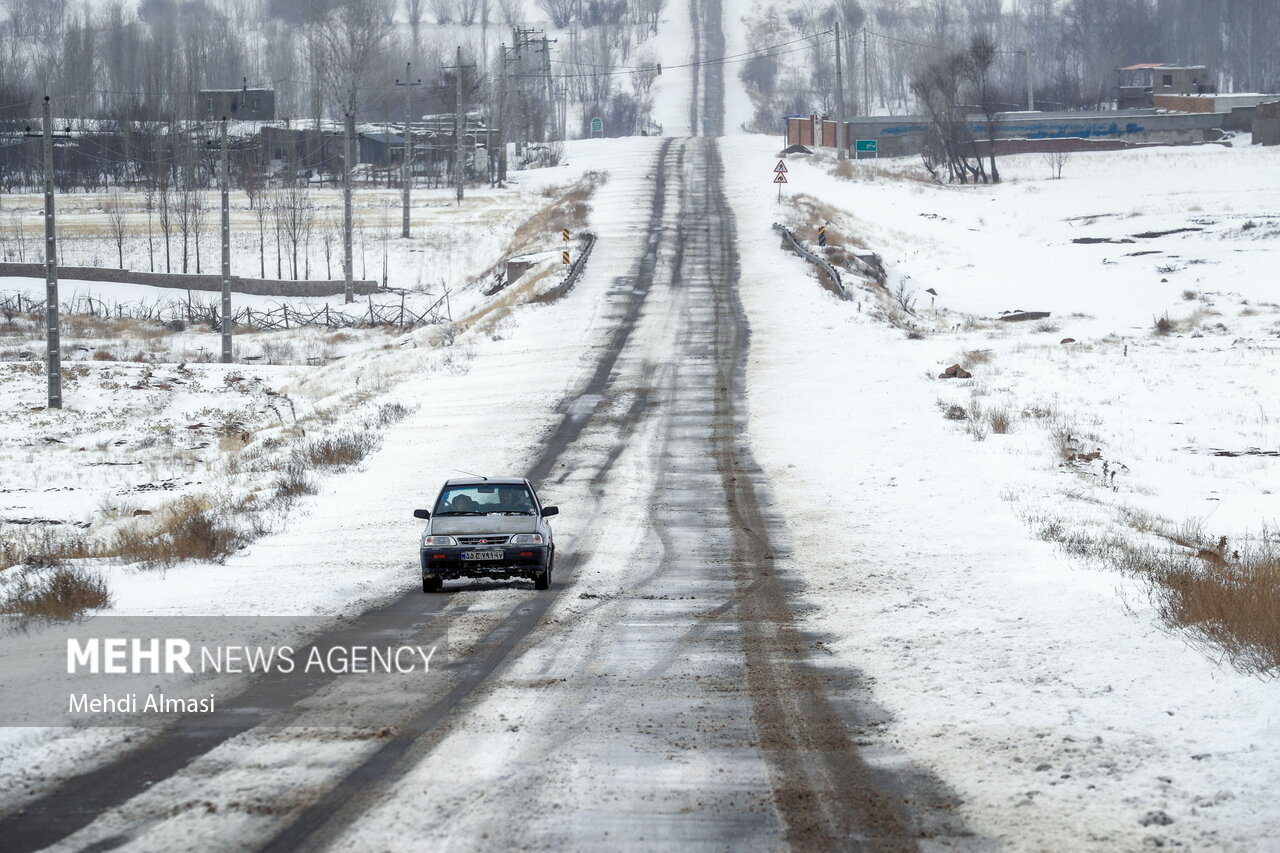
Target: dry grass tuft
191, 529
56, 593
294, 482
1231, 603
1227, 598
337, 451
976, 356
1000, 420
568, 211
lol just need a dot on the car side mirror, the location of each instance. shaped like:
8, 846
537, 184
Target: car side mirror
550, 510
421, 513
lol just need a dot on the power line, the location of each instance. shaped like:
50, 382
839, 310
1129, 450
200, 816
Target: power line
728, 60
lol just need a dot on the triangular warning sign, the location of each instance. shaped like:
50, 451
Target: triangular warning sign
781, 167
779, 178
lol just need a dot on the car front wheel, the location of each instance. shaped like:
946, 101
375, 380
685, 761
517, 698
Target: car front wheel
542, 579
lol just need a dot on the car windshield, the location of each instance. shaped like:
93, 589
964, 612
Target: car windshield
483, 499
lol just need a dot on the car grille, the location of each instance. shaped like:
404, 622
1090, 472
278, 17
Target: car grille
483, 540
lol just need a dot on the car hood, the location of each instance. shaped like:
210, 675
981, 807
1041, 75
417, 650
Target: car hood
453, 525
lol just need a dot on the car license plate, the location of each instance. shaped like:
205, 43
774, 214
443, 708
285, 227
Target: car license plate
482, 555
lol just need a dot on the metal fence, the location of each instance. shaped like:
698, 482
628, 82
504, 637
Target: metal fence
833, 275
193, 313
575, 270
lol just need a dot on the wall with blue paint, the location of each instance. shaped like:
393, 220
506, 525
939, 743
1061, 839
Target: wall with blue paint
904, 135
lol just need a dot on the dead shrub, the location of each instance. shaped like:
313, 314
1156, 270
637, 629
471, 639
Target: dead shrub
1227, 598
392, 413
1163, 326
45, 547
976, 356
1000, 420
337, 451
104, 355
294, 482
56, 593
568, 211
1230, 603
190, 529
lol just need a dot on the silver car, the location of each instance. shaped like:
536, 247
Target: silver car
487, 527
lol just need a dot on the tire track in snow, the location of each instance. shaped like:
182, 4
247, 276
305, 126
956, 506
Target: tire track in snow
80, 800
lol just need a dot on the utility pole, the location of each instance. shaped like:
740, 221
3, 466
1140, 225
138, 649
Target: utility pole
546, 70
1031, 92
225, 181
842, 131
407, 167
53, 341
53, 336
348, 132
502, 115
459, 125
866, 73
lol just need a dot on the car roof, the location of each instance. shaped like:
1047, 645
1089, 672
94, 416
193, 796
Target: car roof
491, 481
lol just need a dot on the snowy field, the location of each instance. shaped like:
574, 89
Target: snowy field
149, 426
1046, 689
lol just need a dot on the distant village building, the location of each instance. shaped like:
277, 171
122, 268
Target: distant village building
1140, 84
1266, 124
242, 104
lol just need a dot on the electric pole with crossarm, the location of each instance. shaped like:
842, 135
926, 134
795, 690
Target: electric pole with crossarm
406, 169
53, 333
459, 125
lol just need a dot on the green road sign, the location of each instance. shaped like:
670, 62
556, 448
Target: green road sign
597, 125
868, 145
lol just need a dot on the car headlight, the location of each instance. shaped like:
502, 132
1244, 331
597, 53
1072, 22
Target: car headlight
437, 541
527, 539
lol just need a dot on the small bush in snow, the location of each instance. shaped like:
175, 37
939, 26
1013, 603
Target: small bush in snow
338, 451
1000, 420
56, 592
391, 413
191, 529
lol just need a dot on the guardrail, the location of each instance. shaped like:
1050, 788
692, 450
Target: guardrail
796, 246
575, 269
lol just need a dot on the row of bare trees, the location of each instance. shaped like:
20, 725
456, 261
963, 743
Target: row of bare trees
178, 222
938, 85
1076, 47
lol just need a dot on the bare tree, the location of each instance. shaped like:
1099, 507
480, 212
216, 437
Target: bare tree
118, 225
186, 218
277, 220
260, 212
442, 11
413, 10
199, 215
297, 215
19, 231
149, 200
979, 59
512, 12
561, 12
1056, 160
348, 43
328, 236
165, 194
949, 140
